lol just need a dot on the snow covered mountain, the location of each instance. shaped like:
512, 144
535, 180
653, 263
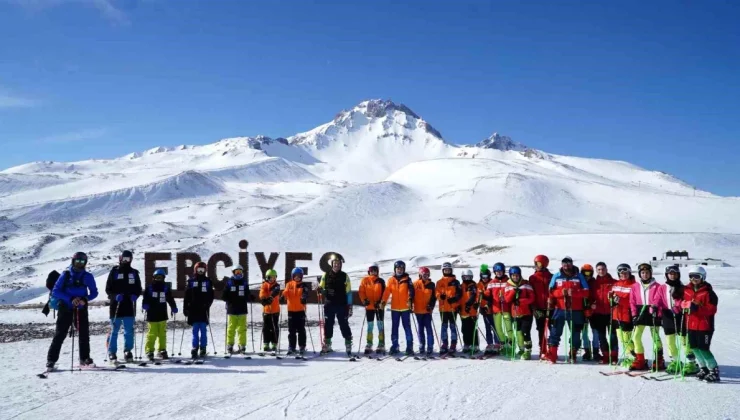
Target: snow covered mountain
376, 182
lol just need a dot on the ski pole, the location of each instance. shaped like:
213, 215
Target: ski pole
475, 329
72, 353
226, 333
174, 320
359, 341
141, 344
279, 329
251, 318
434, 328
182, 336
310, 334
110, 333
210, 330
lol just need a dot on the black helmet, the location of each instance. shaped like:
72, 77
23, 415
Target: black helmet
673, 269
126, 257
79, 260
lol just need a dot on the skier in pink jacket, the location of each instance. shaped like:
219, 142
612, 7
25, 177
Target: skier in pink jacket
648, 300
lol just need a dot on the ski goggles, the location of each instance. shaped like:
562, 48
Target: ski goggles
695, 276
126, 259
672, 271
238, 272
624, 270
588, 273
160, 277
484, 276
200, 270
80, 261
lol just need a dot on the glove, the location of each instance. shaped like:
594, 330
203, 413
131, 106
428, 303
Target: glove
615, 301
366, 302
46, 309
275, 292
430, 308
654, 311
119, 298
443, 297
634, 320
484, 310
538, 314
186, 312
593, 307
134, 297
457, 310
475, 306
269, 300
349, 311
382, 306
303, 300
145, 307
468, 308
693, 307
281, 299
174, 310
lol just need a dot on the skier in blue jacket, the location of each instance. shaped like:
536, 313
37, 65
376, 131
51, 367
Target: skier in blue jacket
72, 291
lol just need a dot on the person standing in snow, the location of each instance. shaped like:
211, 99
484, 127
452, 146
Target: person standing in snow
496, 296
401, 290
540, 282
237, 297
371, 292
600, 289
196, 307
588, 273
449, 293
568, 288
519, 295
270, 299
296, 295
336, 291
469, 313
673, 325
73, 290
647, 303
424, 301
700, 306
123, 289
154, 302
492, 340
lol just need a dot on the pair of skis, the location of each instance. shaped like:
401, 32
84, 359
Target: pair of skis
45, 373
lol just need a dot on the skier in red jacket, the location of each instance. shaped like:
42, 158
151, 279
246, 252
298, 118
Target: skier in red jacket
601, 320
700, 305
540, 282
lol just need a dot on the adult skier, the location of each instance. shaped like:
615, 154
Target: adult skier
401, 289
196, 307
647, 303
123, 289
296, 295
237, 297
674, 327
270, 299
588, 273
568, 287
154, 302
449, 293
492, 340
700, 306
495, 294
73, 290
371, 292
519, 295
540, 282
336, 291
622, 312
424, 301
600, 290
469, 313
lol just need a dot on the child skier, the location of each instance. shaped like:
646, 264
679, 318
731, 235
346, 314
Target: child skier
495, 294
519, 294
469, 313
449, 293
424, 300
622, 313
236, 296
568, 287
492, 340
647, 303
588, 273
402, 291
540, 282
700, 306
269, 297
196, 307
600, 288
154, 302
296, 295
371, 292
123, 289
673, 324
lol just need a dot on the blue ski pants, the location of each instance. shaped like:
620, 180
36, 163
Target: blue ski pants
449, 320
557, 326
425, 332
404, 317
128, 334
200, 334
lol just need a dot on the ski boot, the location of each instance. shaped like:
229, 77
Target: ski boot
543, 353
640, 363
629, 360
113, 358
573, 357
453, 347
466, 349
552, 354
326, 348
703, 372
674, 367
596, 354
422, 350
87, 362
302, 351
527, 355
394, 350
489, 350
194, 353
712, 376
409, 350
291, 352
230, 350
368, 349
50, 365
241, 350
150, 356
348, 346
443, 349
614, 355
659, 364
128, 357
273, 349
266, 348
519, 355
430, 352
380, 349
587, 356
690, 368
202, 352
163, 355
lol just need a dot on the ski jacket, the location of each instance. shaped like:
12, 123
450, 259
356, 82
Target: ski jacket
576, 283
675, 290
402, 292
647, 301
198, 299
496, 295
600, 289
236, 295
74, 284
701, 316
523, 293
469, 305
540, 282
372, 289
296, 294
449, 286
485, 305
270, 297
336, 288
621, 292
424, 296
158, 295
122, 280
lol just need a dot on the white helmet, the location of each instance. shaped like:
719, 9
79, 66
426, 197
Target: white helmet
698, 270
468, 273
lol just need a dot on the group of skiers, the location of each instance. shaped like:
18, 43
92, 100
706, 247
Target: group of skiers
617, 311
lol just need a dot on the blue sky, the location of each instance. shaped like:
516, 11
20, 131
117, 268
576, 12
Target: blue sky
654, 83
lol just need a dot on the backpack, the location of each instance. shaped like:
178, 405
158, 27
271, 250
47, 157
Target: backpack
51, 279
53, 301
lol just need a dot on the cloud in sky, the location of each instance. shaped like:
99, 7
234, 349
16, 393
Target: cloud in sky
74, 136
107, 8
8, 100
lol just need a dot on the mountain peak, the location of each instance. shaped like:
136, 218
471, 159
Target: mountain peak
503, 143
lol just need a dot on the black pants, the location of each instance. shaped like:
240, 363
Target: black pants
600, 323
373, 314
524, 324
468, 331
673, 323
270, 327
340, 312
296, 326
66, 318
700, 339
541, 332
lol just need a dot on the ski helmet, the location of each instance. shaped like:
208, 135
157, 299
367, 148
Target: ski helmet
424, 271
587, 268
467, 275
79, 259
271, 273
298, 271
485, 273
543, 260
447, 266
159, 273
499, 267
399, 264
200, 268
698, 271
645, 267
515, 270
624, 268
673, 269
483, 267
126, 257
566, 260
373, 267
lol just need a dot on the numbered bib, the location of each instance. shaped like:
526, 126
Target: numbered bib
131, 278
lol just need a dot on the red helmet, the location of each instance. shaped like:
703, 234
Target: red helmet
542, 259
424, 270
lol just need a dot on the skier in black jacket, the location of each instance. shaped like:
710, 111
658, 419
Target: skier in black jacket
196, 306
237, 298
156, 298
123, 289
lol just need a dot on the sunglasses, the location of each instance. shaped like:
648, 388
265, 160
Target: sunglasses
80, 261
